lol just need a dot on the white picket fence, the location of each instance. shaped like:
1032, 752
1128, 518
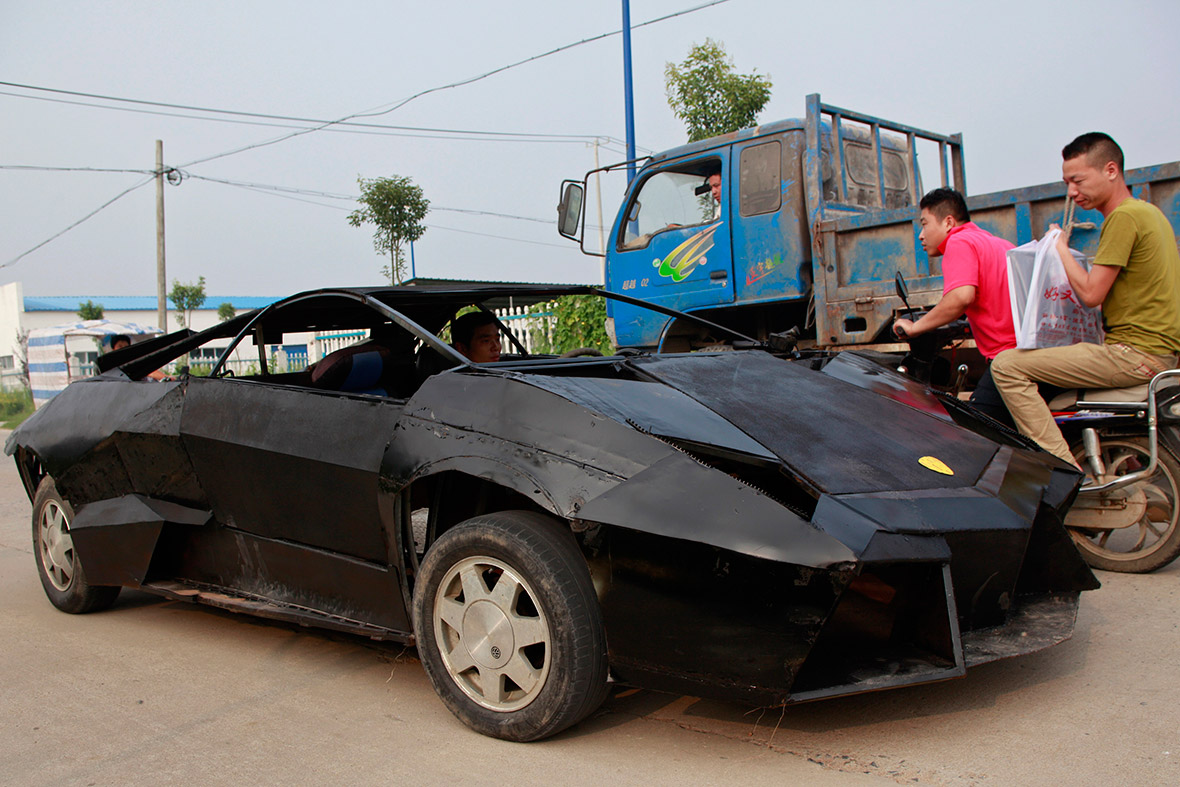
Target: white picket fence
532, 328
326, 342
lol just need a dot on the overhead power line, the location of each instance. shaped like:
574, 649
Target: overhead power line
33, 168
494, 214
288, 192
269, 187
384, 110
283, 190
376, 112
106, 204
348, 127
565, 246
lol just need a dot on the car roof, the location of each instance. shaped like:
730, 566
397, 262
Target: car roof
492, 296
429, 305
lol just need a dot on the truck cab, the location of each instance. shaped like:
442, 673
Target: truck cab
746, 258
816, 217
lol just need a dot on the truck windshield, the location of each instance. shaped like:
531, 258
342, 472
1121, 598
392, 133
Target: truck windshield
667, 200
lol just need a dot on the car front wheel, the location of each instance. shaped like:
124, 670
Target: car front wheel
508, 626
57, 562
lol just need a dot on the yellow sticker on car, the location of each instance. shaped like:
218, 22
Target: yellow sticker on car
937, 465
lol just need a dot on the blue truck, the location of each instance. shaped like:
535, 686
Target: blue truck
807, 232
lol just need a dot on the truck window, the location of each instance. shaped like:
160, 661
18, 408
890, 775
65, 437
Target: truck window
667, 200
761, 176
862, 176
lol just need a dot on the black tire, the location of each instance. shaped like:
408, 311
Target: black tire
57, 562
534, 623
1154, 541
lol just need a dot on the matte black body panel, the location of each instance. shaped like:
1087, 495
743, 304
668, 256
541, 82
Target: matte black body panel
693, 619
756, 527
679, 498
116, 538
656, 409
841, 438
291, 463
292, 574
83, 415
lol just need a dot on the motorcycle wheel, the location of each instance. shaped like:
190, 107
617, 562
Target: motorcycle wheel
1152, 542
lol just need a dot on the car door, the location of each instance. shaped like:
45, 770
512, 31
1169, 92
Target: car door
291, 463
291, 474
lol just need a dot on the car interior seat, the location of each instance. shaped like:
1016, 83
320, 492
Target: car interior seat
362, 368
429, 362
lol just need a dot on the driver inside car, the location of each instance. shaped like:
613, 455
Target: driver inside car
477, 336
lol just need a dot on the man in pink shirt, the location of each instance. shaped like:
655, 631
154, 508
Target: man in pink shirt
974, 282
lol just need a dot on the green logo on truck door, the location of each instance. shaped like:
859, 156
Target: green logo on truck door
686, 256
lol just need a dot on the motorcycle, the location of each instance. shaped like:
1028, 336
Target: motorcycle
1128, 441
1125, 516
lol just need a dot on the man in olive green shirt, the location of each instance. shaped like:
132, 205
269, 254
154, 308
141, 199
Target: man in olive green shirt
1136, 278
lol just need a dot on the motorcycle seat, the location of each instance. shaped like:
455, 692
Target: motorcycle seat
1136, 394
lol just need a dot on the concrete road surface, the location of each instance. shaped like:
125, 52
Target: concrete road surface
167, 693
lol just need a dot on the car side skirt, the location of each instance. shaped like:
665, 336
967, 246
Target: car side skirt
233, 601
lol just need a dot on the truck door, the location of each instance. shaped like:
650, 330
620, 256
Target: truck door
770, 236
672, 245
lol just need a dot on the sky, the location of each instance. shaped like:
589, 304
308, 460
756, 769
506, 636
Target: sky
1017, 79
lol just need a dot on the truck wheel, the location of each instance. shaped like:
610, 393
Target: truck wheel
57, 563
509, 628
1150, 542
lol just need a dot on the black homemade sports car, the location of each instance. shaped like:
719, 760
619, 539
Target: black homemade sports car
751, 524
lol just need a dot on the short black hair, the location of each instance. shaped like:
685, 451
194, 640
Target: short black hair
946, 202
1098, 148
463, 327
120, 337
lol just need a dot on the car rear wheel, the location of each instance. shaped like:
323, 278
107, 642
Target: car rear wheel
57, 562
508, 626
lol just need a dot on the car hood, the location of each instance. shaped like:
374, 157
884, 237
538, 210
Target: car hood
836, 436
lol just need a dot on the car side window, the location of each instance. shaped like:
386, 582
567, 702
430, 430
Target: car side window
331, 345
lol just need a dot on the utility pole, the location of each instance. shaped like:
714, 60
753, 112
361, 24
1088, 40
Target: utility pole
601, 228
628, 98
161, 298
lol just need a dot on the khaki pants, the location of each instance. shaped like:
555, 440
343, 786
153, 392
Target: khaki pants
1016, 373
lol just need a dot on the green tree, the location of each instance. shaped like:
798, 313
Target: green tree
186, 298
90, 311
711, 99
396, 207
226, 311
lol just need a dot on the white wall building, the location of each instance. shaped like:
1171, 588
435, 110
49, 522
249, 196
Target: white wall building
19, 312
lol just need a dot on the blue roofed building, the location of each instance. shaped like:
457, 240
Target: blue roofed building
139, 303
19, 313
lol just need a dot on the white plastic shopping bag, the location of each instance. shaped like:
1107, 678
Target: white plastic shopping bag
1045, 310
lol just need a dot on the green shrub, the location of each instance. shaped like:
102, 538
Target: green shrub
579, 321
15, 407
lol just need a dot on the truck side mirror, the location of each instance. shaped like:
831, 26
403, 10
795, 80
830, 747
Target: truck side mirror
569, 212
